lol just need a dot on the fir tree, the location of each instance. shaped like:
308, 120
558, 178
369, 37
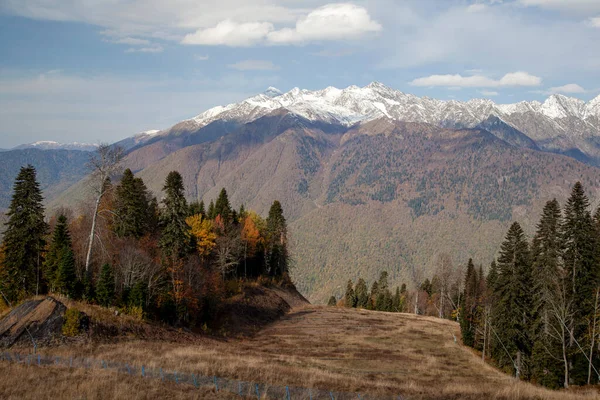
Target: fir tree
383, 281
66, 278
60, 244
197, 208
174, 240
24, 237
137, 296
350, 297
373, 296
222, 206
277, 254
211, 210
132, 204
332, 301
362, 294
468, 306
396, 301
581, 262
512, 313
105, 287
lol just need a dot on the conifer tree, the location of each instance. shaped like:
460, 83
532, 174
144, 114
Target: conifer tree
512, 313
350, 297
105, 287
362, 294
66, 278
132, 206
383, 281
468, 306
222, 206
581, 262
211, 210
373, 296
396, 301
60, 244
332, 301
174, 240
276, 248
546, 268
24, 237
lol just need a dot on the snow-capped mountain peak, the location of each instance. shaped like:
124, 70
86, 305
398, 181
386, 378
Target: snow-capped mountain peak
52, 145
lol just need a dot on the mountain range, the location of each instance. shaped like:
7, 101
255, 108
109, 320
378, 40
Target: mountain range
371, 178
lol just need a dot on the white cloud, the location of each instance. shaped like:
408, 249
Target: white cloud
457, 80
477, 7
254, 65
230, 33
201, 57
489, 93
131, 41
569, 88
330, 22
595, 22
155, 48
570, 6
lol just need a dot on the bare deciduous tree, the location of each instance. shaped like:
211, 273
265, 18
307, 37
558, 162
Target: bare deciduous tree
104, 164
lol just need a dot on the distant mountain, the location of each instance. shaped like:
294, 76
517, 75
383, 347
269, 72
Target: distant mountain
49, 145
373, 179
57, 170
561, 124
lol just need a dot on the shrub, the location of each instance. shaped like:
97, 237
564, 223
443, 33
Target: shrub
72, 324
136, 311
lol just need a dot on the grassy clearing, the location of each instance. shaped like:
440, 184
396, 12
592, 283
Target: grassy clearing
328, 348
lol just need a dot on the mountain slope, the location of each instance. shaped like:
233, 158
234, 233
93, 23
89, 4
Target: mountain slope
57, 170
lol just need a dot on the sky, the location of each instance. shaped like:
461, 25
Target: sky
101, 70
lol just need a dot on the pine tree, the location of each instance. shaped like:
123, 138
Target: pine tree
66, 278
350, 297
276, 248
60, 244
512, 313
174, 240
332, 301
362, 294
105, 287
24, 237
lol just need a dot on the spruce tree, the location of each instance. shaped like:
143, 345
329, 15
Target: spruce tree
396, 301
277, 253
546, 271
512, 313
222, 206
350, 297
211, 210
581, 262
362, 294
132, 206
60, 244
105, 287
24, 238
332, 301
66, 278
373, 296
468, 306
383, 281
174, 241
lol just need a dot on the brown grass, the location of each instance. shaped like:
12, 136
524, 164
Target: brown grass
378, 354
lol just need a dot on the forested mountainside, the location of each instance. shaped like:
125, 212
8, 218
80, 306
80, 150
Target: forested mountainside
382, 195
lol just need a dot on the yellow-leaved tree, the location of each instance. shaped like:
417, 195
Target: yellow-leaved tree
202, 229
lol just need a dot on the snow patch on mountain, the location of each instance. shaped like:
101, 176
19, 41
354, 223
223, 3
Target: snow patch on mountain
51, 145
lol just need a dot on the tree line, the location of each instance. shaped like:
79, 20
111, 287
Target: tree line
170, 260
379, 298
536, 313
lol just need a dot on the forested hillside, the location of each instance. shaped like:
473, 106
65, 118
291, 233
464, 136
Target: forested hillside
385, 195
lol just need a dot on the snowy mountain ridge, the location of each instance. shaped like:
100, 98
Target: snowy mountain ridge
52, 145
355, 104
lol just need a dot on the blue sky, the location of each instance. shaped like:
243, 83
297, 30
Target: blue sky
102, 70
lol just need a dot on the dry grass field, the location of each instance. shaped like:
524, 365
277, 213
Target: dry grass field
378, 354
